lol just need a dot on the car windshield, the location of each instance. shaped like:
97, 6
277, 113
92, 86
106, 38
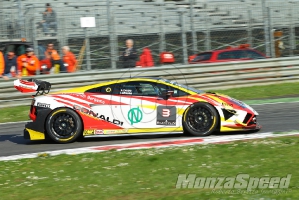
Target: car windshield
202, 57
182, 86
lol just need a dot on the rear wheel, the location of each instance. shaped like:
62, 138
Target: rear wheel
200, 119
64, 125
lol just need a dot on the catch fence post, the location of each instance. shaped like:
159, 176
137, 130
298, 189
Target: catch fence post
87, 43
162, 44
208, 34
184, 38
292, 32
271, 32
111, 32
194, 36
34, 38
266, 28
249, 29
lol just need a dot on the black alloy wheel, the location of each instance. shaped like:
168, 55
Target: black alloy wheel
200, 119
64, 125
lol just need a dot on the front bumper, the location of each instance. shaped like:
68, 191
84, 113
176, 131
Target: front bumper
241, 127
239, 121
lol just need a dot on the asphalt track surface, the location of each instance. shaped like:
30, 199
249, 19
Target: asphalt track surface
273, 118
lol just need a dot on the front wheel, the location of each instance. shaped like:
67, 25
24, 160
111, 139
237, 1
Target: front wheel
200, 119
64, 125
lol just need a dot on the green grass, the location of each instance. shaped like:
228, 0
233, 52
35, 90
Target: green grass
152, 174
266, 91
14, 114
20, 113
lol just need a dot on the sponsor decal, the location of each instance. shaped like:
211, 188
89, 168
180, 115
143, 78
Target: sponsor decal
115, 131
93, 132
166, 123
97, 115
44, 105
125, 91
85, 97
95, 99
88, 132
135, 115
227, 104
75, 94
99, 132
166, 115
108, 89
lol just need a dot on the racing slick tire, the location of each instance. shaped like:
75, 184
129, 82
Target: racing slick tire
200, 119
64, 125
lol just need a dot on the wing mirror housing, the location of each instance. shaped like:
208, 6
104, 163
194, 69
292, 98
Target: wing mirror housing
168, 94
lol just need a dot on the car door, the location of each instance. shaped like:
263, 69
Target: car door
128, 105
150, 110
103, 107
141, 99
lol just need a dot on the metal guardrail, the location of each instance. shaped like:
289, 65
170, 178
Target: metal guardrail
213, 76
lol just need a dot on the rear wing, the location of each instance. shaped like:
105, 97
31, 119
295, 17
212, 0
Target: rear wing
32, 85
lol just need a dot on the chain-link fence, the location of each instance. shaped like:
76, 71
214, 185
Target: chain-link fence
181, 27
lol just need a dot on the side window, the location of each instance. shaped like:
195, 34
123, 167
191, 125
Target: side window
138, 89
176, 92
107, 89
130, 88
239, 54
226, 55
203, 57
161, 88
253, 55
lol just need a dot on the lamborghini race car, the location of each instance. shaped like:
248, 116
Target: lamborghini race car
134, 106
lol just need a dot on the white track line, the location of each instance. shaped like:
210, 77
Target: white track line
19, 122
207, 140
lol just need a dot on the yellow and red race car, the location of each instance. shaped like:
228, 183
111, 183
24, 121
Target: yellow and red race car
132, 106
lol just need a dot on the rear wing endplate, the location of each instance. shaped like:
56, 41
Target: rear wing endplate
32, 85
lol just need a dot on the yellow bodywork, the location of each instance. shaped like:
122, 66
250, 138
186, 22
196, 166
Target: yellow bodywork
35, 135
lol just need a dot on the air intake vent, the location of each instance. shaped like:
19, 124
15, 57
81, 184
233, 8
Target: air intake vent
247, 118
227, 114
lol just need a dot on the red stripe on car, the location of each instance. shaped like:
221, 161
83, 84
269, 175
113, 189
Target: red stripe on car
71, 100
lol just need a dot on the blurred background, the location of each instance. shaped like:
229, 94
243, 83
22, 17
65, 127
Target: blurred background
182, 27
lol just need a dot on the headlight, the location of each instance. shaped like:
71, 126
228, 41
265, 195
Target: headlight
251, 109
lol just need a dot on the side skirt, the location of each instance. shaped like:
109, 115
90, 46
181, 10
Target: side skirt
138, 134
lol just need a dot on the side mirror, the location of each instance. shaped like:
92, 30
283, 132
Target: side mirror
167, 95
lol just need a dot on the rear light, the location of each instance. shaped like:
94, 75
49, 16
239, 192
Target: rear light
32, 114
